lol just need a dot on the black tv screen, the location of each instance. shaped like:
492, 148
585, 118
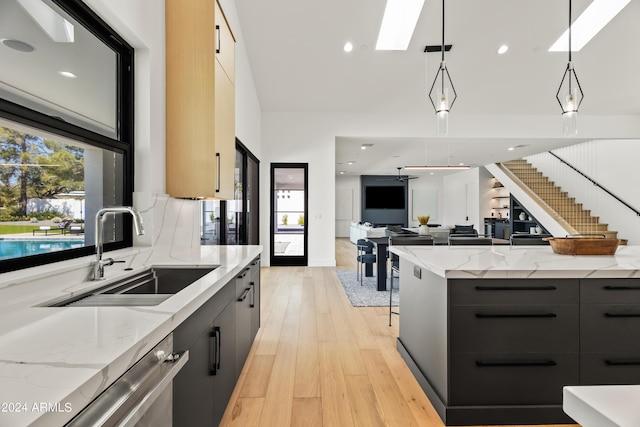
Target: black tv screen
384, 197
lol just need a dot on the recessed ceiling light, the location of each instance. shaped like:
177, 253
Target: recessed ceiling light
431, 173
67, 74
348, 47
350, 162
398, 23
365, 146
503, 49
17, 45
341, 172
593, 19
511, 148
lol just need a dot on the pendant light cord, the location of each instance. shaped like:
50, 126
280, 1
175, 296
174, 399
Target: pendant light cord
443, 30
442, 78
569, 30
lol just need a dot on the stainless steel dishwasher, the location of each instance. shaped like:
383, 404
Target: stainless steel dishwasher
142, 396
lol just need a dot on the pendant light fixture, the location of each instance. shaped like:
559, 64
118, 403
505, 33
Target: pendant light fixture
570, 96
443, 102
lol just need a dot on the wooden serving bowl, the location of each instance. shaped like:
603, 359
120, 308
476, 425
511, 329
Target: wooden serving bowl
583, 245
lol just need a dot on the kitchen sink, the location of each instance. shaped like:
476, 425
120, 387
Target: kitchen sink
148, 287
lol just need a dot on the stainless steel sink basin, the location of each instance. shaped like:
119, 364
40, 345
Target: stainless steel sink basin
148, 287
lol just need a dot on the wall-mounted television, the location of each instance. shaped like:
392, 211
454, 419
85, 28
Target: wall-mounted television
384, 197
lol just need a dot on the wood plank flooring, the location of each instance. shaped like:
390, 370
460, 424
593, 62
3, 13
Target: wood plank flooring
318, 361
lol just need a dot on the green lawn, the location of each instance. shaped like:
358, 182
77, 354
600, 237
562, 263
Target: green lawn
16, 229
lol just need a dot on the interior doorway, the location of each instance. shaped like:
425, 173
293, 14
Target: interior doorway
289, 196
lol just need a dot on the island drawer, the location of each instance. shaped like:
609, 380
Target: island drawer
513, 291
610, 327
609, 368
610, 291
493, 329
508, 379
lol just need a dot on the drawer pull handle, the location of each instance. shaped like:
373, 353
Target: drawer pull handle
244, 294
514, 315
622, 362
516, 288
493, 364
218, 38
622, 315
621, 288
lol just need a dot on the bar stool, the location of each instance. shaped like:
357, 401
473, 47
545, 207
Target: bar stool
364, 256
395, 260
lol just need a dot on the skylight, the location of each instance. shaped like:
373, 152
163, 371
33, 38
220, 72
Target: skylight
399, 21
593, 19
59, 29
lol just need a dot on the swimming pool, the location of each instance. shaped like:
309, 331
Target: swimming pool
14, 248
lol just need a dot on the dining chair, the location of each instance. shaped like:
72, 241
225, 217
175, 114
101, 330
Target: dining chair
470, 239
364, 256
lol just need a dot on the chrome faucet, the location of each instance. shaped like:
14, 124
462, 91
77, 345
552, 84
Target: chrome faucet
98, 268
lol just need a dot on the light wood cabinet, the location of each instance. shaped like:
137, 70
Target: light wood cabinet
200, 101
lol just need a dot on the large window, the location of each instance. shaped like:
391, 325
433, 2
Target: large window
66, 131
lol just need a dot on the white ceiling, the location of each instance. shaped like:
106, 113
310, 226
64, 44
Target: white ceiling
296, 56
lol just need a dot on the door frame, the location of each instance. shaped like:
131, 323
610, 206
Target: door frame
289, 260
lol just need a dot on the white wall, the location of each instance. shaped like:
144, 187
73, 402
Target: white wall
613, 165
430, 189
348, 206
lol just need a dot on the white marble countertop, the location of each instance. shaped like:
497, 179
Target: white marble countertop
475, 262
54, 361
603, 406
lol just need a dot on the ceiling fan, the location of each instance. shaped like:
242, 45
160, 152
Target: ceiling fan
399, 178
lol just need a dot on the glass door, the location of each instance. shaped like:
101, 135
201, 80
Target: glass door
289, 195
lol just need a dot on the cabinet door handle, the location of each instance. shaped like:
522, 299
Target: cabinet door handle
218, 334
513, 315
244, 294
213, 346
244, 273
252, 301
218, 47
622, 362
622, 315
621, 288
218, 173
493, 364
516, 288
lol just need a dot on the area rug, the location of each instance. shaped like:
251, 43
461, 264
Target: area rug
366, 295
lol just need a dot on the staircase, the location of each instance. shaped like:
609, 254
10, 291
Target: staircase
563, 208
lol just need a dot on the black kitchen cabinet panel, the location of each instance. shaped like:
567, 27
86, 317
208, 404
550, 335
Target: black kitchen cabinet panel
544, 328
511, 379
513, 291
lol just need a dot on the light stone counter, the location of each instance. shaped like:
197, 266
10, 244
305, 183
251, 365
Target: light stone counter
534, 262
54, 361
603, 406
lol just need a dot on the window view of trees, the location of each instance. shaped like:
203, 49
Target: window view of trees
32, 167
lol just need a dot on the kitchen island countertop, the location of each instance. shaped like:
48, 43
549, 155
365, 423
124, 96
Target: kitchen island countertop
533, 262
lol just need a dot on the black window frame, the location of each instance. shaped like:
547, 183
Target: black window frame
123, 144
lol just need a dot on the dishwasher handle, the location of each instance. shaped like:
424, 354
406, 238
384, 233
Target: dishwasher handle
129, 398
178, 360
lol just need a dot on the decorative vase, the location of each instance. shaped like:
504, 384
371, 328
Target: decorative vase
423, 229
538, 229
522, 216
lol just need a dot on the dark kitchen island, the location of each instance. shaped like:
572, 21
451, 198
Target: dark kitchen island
493, 334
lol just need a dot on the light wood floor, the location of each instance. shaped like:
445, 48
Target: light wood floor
318, 361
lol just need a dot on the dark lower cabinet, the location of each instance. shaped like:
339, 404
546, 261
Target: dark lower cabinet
254, 283
244, 296
247, 311
218, 336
